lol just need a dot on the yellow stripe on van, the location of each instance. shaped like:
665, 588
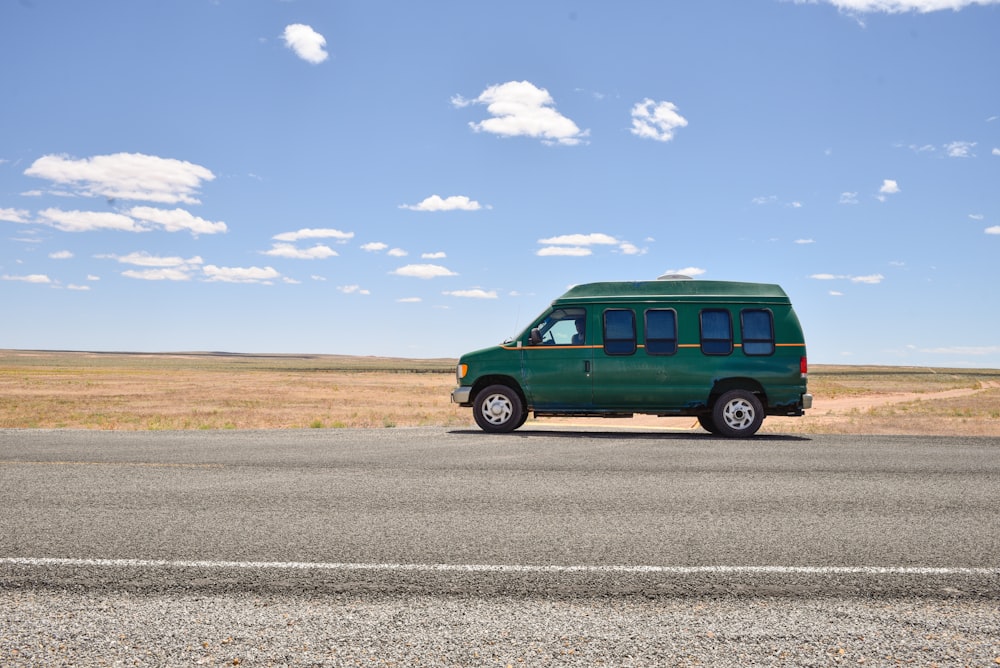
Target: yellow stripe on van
641, 345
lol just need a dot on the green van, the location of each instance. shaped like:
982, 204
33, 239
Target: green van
727, 353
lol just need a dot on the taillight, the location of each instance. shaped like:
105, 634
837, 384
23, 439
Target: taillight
803, 366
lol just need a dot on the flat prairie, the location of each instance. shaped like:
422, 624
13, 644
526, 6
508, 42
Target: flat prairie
204, 390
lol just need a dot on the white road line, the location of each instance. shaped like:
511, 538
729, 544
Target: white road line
505, 568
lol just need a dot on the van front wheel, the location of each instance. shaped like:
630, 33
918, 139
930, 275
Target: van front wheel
738, 414
498, 409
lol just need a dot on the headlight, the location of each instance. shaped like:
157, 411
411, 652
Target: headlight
461, 371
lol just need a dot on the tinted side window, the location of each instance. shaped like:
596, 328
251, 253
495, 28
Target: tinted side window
619, 332
661, 332
716, 332
758, 332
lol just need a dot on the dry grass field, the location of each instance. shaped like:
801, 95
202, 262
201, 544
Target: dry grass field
124, 391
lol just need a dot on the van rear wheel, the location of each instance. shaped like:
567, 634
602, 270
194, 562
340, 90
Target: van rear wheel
498, 409
738, 414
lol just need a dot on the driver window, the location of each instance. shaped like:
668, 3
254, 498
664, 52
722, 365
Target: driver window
561, 327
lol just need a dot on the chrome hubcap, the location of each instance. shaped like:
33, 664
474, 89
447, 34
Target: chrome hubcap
738, 414
497, 409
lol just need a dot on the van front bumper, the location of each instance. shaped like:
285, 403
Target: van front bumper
461, 395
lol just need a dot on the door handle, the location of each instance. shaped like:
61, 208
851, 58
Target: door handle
586, 366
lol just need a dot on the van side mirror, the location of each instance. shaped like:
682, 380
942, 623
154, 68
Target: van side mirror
535, 338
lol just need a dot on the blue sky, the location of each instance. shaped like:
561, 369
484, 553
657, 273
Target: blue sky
422, 179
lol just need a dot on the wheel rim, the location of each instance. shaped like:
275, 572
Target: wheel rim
497, 409
738, 414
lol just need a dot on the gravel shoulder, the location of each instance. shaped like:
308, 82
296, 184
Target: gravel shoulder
61, 628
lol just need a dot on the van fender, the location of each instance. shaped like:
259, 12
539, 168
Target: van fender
722, 385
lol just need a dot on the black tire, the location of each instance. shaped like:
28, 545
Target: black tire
498, 409
738, 414
708, 424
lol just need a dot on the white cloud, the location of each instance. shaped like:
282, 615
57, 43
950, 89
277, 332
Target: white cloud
805, 241
977, 216
320, 233
409, 300
870, 279
765, 200
596, 238
176, 220
81, 288
127, 176
157, 268
918, 148
993, 230
137, 219
14, 215
437, 203
996, 151
900, 6
686, 271
564, 251
577, 245
960, 149
656, 120
353, 290
241, 274
305, 42
374, 246
31, 278
848, 198
475, 293
87, 221
61, 255
423, 271
163, 274
889, 187
317, 252
397, 252
521, 109
440, 255
144, 259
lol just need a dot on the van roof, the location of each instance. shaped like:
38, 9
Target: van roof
680, 290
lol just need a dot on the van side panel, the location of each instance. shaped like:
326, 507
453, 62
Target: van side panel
684, 382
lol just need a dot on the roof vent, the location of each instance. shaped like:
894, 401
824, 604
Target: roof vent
674, 277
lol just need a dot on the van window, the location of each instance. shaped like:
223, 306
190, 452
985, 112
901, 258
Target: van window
619, 332
661, 332
758, 332
716, 332
561, 327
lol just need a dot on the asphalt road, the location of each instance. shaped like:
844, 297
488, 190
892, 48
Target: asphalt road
454, 547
